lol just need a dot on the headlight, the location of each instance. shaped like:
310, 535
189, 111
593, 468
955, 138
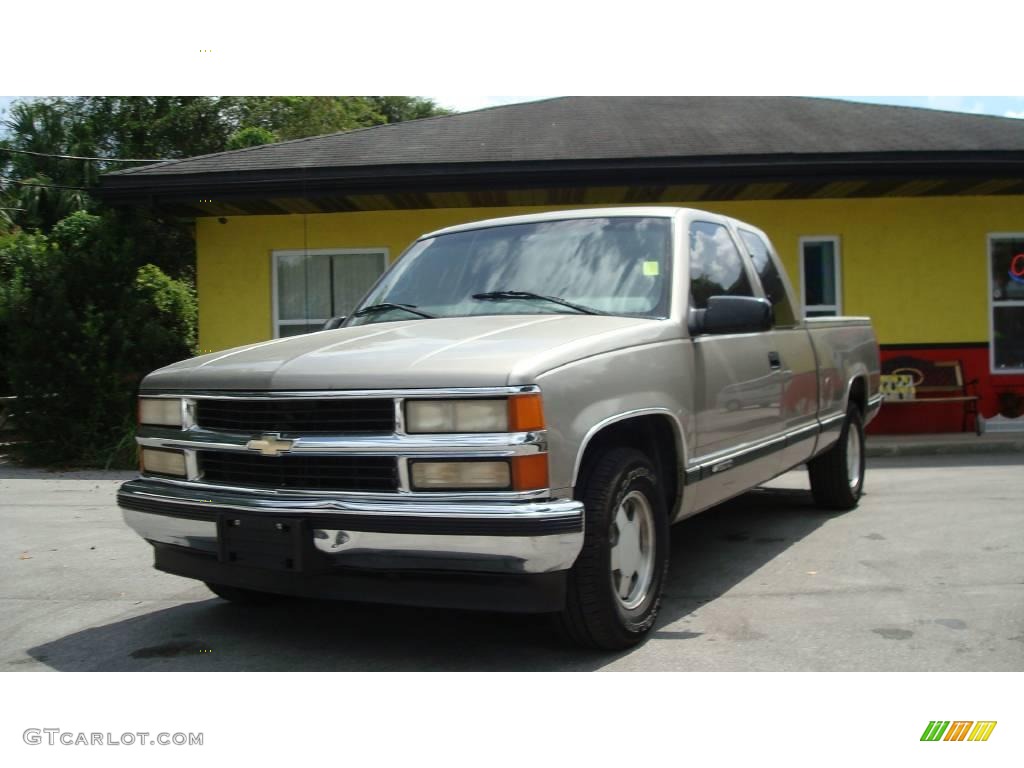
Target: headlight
160, 411
461, 475
456, 416
163, 462
519, 413
520, 473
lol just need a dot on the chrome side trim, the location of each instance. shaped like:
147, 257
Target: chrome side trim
730, 458
829, 421
874, 406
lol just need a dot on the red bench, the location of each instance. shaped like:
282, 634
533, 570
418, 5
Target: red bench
936, 382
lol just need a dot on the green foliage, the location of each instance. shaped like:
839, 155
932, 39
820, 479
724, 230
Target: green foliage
251, 136
167, 311
295, 117
92, 299
157, 127
76, 346
397, 109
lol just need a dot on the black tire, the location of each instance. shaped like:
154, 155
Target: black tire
594, 616
831, 484
241, 596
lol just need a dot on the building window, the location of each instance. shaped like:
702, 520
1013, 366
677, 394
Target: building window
311, 286
1006, 289
820, 276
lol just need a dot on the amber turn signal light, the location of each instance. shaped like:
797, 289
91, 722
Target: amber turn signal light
525, 413
530, 473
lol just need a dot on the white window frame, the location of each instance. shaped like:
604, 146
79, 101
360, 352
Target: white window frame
837, 256
993, 236
275, 318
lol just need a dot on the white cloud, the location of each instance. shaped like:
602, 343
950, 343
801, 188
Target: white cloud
1012, 113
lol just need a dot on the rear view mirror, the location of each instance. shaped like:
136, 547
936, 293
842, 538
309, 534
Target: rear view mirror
732, 314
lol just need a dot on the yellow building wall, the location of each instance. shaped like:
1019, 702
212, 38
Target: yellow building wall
917, 266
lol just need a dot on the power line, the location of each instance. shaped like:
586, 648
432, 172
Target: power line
42, 186
82, 157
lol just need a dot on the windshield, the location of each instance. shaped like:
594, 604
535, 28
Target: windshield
618, 265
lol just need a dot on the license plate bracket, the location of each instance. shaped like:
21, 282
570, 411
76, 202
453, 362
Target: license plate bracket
262, 541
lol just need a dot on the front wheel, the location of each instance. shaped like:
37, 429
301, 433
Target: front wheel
837, 475
615, 587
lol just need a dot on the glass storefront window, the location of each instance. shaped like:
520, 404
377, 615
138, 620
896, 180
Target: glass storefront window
1006, 284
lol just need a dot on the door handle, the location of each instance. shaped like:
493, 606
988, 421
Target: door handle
774, 361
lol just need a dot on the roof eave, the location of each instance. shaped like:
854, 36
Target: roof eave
300, 181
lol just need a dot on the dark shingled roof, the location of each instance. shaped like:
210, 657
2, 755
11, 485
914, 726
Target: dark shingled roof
629, 127
605, 149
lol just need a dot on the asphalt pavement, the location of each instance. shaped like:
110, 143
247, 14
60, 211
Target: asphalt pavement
926, 574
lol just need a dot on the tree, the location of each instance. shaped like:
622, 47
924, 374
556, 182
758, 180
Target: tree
91, 299
156, 128
76, 347
252, 136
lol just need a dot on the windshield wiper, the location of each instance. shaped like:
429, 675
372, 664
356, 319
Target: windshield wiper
497, 295
386, 305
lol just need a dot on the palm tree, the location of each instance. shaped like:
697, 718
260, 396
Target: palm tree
38, 190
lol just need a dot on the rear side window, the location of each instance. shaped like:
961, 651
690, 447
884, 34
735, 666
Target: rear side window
771, 280
716, 267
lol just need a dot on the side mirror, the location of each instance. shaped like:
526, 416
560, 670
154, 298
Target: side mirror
732, 314
334, 322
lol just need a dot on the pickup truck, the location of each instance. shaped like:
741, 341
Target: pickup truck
511, 420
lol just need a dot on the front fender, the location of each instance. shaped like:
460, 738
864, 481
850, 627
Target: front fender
584, 396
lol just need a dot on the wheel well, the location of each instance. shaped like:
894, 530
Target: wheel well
654, 436
859, 394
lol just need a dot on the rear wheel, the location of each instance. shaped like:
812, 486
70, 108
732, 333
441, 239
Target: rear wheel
615, 587
243, 596
837, 475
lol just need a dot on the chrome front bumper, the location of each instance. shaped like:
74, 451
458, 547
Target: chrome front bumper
492, 537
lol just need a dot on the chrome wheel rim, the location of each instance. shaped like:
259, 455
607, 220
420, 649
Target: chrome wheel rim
632, 549
853, 457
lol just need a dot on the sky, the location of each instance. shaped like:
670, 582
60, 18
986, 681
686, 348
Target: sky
1003, 106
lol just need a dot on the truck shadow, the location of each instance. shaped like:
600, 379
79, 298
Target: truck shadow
710, 554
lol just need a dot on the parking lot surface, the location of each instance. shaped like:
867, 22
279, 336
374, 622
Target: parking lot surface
926, 574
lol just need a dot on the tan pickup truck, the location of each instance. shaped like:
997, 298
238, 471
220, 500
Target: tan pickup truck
511, 420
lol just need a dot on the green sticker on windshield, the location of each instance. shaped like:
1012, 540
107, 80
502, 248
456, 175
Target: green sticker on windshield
651, 268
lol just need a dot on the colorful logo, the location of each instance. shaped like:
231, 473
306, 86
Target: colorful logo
958, 730
1017, 268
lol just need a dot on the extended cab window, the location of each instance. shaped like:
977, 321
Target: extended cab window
618, 265
771, 279
716, 267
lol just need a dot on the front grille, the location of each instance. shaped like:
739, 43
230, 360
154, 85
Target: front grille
333, 416
311, 473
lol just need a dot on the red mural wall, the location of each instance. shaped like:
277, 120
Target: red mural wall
946, 417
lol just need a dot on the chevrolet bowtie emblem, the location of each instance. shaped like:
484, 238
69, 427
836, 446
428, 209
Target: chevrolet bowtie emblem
270, 444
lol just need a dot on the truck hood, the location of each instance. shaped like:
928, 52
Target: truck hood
490, 350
